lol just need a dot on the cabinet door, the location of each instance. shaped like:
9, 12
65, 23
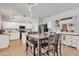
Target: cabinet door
14, 36
72, 40
23, 37
4, 41
69, 39
75, 41
63, 39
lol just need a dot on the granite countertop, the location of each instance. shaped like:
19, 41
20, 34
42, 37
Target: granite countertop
4, 33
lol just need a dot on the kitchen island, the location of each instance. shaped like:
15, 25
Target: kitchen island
4, 40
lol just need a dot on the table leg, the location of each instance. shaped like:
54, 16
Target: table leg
60, 43
33, 50
26, 46
39, 47
26, 43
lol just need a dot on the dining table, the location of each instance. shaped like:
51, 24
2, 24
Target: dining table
38, 38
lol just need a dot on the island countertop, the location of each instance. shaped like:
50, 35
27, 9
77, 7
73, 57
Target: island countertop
4, 34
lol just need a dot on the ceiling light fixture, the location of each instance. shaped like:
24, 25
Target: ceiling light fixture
30, 5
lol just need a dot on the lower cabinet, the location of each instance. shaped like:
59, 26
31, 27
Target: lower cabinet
23, 38
69, 40
4, 40
14, 36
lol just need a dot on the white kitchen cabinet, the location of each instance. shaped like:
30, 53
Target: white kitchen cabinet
23, 37
70, 40
4, 40
14, 35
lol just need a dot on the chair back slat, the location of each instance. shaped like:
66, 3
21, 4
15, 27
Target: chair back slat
53, 39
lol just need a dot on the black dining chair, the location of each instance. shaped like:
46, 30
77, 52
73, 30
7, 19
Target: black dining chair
52, 46
31, 45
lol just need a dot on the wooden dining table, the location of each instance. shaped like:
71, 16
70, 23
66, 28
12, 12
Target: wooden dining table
38, 38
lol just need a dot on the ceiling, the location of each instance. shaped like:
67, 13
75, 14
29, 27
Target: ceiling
42, 10
46, 10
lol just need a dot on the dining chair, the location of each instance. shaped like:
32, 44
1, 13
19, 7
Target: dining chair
52, 46
31, 44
